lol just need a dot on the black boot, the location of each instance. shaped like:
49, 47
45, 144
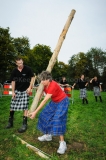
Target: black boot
10, 123
86, 101
24, 126
83, 101
100, 98
96, 98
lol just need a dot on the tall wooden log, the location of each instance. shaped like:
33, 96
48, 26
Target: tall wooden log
53, 59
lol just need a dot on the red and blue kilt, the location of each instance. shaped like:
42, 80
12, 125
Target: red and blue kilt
52, 119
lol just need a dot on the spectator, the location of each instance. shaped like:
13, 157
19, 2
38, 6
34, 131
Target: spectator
82, 83
21, 80
96, 88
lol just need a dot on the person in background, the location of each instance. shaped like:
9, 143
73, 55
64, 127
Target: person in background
21, 81
52, 119
63, 82
82, 83
96, 88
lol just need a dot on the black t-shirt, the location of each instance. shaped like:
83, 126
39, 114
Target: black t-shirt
81, 83
22, 79
64, 82
95, 83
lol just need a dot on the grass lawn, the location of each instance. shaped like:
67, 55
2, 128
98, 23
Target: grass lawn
85, 136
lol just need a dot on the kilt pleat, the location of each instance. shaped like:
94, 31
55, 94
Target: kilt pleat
53, 118
20, 102
96, 91
83, 93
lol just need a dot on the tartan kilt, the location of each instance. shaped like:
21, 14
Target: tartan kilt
52, 119
96, 91
20, 102
83, 93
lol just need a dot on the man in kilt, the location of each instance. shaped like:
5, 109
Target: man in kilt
96, 88
82, 83
52, 119
21, 81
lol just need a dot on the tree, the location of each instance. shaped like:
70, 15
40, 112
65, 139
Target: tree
22, 47
81, 64
7, 53
39, 58
71, 68
60, 69
92, 63
9, 49
98, 59
78, 65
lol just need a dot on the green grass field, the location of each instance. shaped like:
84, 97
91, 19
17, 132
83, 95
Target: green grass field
85, 136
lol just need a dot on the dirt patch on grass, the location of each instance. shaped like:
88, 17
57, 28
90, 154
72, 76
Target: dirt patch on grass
76, 146
52, 146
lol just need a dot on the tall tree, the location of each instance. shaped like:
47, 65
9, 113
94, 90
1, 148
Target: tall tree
81, 64
39, 57
98, 58
60, 69
71, 66
22, 47
7, 53
78, 65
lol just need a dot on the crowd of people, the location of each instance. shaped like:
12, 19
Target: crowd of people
53, 118
82, 83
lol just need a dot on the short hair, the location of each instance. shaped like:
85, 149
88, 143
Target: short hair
18, 58
81, 74
45, 75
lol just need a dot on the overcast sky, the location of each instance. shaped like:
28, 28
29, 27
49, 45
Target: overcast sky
42, 22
